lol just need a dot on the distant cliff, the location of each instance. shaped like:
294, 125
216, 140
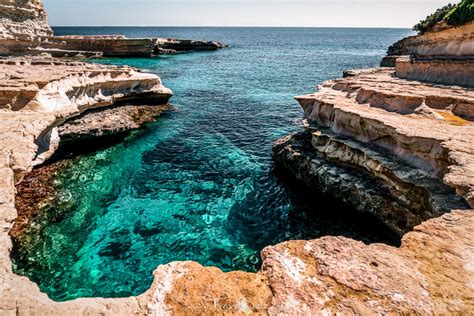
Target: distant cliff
444, 55
24, 29
454, 41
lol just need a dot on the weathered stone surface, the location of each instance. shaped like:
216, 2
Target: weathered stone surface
375, 107
449, 70
36, 96
420, 136
431, 273
367, 178
187, 288
401, 150
22, 24
443, 55
99, 123
24, 29
107, 46
450, 41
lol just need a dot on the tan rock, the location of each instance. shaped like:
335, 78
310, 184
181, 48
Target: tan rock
449, 41
22, 24
187, 288
430, 274
24, 29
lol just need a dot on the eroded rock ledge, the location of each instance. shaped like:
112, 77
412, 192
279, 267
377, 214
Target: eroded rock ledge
404, 151
24, 29
432, 272
444, 55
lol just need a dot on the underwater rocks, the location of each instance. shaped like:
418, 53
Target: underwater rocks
36, 96
34, 191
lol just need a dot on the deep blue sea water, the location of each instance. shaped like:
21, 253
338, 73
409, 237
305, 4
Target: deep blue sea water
200, 183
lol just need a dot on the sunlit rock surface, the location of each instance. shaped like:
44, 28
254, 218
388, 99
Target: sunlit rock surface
442, 41
443, 55
24, 29
36, 96
402, 150
22, 24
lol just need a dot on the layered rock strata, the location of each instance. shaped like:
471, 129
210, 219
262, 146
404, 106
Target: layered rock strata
404, 151
173, 46
444, 41
24, 29
405, 145
22, 24
444, 55
444, 70
430, 273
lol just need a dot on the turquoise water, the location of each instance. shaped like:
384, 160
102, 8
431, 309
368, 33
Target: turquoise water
199, 184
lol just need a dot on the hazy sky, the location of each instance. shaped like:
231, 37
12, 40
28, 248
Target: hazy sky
362, 13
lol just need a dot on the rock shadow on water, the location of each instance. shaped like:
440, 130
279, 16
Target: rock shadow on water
313, 215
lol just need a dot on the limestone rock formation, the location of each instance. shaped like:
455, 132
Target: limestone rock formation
430, 274
447, 41
22, 24
396, 148
61, 89
24, 29
97, 124
443, 55
402, 150
172, 46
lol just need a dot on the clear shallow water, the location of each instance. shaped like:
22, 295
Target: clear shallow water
199, 184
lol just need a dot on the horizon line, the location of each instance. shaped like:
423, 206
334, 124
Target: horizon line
242, 26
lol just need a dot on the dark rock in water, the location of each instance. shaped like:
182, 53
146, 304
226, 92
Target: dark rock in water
171, 46
35, 191
398, 195
389, 61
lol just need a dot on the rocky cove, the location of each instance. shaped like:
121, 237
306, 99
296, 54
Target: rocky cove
396, 148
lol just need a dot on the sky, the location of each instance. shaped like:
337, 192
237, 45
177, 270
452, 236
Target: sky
307, 13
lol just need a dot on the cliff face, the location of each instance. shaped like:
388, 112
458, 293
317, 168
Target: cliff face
443, 55
386, 145
449, 41
402, 150
37, 95
22, 24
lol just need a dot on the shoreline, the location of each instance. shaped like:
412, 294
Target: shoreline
369, 124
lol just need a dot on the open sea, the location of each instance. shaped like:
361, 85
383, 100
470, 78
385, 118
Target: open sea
199, 184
